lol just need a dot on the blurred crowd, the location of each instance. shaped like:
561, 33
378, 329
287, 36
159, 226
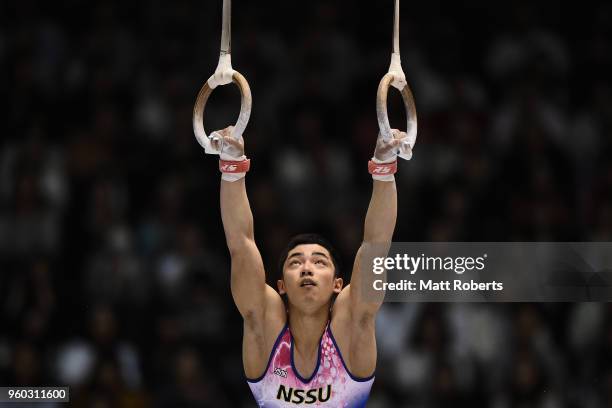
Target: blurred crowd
114, 277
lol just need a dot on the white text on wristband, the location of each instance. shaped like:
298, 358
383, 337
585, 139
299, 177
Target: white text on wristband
382, 169
226, 166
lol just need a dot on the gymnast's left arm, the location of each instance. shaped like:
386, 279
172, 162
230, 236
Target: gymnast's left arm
353, 314
378, 228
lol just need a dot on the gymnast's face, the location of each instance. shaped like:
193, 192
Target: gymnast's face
309, 277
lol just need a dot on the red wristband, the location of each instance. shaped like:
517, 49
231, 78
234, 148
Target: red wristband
382, 169
226, 166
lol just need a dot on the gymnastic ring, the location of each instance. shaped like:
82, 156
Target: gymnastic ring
381, 109
200, 105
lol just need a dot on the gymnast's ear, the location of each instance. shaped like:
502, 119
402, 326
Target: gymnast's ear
338, 282
281, 287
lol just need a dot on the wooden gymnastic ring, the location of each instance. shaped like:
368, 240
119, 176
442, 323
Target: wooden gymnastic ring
381, 108
245, 108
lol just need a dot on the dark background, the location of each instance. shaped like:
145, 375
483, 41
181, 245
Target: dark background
114, 276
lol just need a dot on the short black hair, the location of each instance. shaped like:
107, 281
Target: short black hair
310, 238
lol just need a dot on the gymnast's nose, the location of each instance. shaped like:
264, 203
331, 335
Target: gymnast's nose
305, 272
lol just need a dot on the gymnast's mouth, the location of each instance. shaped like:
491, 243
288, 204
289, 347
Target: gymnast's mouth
308, 282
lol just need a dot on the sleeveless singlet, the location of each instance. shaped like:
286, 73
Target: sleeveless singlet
331, 385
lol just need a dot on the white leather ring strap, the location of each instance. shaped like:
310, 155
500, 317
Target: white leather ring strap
383, 118
396, 78
224, 74
200, 105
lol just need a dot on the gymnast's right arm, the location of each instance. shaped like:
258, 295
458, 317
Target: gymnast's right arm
261, 307
248, 280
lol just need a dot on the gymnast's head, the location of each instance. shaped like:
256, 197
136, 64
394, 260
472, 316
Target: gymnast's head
309, 273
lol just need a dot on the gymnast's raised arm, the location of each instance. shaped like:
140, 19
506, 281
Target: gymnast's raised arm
257, 302
379, 223
353, 316
248, 279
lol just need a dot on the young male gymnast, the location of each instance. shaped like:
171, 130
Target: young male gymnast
318, 347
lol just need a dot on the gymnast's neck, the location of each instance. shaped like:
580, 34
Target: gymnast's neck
308, 327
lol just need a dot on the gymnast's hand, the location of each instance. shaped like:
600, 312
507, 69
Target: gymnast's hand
234, 163
228, 147
387, 150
